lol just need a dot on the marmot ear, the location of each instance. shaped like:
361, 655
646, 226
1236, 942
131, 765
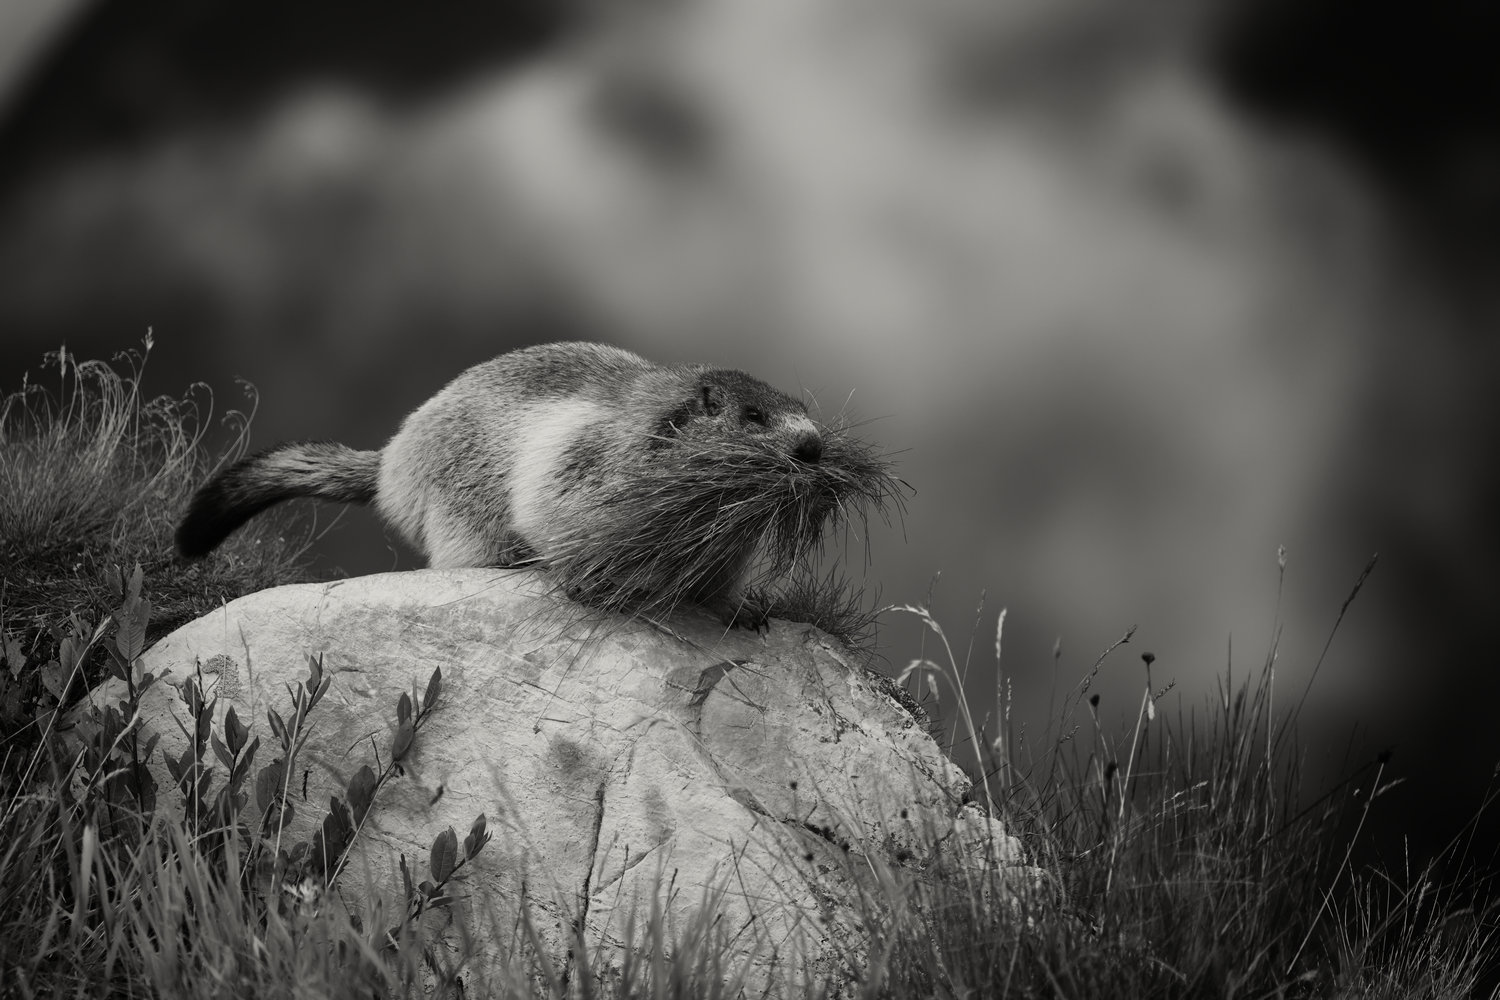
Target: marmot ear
714, 399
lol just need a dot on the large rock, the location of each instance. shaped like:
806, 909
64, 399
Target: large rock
613, 760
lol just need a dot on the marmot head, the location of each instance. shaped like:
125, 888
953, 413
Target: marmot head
728, 405
738, 487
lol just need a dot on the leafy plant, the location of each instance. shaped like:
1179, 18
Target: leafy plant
93, 473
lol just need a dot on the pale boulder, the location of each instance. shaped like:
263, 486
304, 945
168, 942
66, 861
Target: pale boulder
612, 759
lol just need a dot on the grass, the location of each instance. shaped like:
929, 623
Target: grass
1183, 856
93, 478
1190, 863
700, 509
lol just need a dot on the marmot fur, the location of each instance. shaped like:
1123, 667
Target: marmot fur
637, 485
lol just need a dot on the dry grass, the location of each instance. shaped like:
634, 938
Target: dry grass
1188, 860
684, 526
92, 478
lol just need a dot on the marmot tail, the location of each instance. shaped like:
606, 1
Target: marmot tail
306, 469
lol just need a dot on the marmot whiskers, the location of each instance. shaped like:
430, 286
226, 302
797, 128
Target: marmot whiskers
638, 486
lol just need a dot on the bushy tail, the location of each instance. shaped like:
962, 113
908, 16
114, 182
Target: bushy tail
305, 469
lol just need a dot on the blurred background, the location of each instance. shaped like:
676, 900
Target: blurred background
1136, 293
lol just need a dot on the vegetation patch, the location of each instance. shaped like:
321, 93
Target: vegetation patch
93, 476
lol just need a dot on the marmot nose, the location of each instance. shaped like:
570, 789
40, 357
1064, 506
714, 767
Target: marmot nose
809, 449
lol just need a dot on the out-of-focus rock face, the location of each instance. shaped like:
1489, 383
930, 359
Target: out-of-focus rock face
611, 761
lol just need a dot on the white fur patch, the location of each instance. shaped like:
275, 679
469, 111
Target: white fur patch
548, 430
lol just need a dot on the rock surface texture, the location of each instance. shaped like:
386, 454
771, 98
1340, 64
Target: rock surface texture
617, 763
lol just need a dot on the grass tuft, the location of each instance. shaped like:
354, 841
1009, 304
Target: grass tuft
1184, 858
93, 475
684, 527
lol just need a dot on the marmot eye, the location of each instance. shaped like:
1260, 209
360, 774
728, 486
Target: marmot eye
754, 416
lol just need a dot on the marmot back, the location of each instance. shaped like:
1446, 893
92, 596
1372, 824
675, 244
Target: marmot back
635, 484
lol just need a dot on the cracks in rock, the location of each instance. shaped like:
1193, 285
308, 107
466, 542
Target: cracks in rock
834, 726
841, 725
824, 833
917, 715
709, 678
813, 877
620, 770
746, 798
708, 681
588, 876
827, 833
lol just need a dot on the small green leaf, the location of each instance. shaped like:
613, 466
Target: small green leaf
268, 785
235, 731
402, 741
205, 781
221, 751
333, 839
173, 768
132, 617
114, 583
361, 792
185, 773
13, 655
68, 652
434, 686
54, 678
403, 709
314, 671
338, 811
477, 838
444, 854
278, 727
206, 722
246, 761
193, 695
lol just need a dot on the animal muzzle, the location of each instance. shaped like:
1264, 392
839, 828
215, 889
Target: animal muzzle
804, 443
808, 448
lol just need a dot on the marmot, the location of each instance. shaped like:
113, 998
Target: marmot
638, 486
